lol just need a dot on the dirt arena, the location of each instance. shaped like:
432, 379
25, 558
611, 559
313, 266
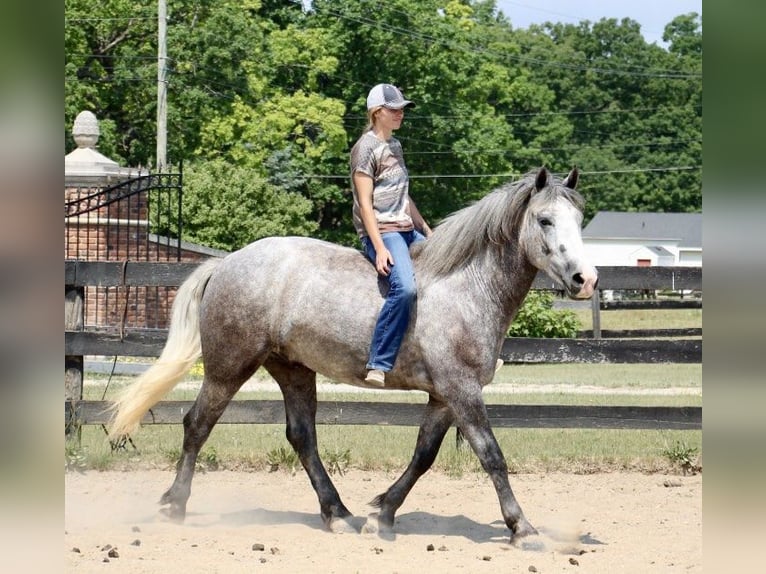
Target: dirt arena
269, 522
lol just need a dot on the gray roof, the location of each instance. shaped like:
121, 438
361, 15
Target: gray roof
685, 227
188, 246
659, 250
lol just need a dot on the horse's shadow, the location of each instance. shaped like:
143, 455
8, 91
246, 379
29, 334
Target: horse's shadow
406, 524
497, 531
411, 523
264, 517
457, 525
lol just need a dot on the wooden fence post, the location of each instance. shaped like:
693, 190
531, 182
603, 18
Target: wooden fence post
595, 302
74, 319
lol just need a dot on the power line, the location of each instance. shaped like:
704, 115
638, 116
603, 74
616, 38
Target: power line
110, 80
430, 117
410, 117
116, 19
416, 35
576, 146
413, 116
524, 59
208, 86
484, 175
112, 57
210, 89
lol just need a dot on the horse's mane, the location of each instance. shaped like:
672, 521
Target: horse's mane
493, 220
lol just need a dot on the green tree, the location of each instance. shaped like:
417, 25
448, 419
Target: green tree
279, 90
214, 48
111, 69
227, 207
451, 59
634, 108
108, 64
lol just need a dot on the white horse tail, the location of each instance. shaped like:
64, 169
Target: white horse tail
181, 351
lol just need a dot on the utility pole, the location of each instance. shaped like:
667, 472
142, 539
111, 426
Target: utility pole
162, 85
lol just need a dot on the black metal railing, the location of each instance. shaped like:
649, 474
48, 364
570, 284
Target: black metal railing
138, 219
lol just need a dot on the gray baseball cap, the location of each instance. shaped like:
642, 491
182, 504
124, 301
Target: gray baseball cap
387, 96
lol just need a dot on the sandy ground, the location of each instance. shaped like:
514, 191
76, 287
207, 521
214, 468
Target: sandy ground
605, 523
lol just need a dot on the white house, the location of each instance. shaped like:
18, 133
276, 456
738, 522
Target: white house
644, 239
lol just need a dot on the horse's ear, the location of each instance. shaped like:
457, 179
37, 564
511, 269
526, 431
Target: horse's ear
570, 181
542, 179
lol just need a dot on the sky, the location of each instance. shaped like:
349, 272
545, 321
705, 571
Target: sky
653, 15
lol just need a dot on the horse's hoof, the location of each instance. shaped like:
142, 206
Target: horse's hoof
523, 529
375, 526
173, 515
372, 526
339, 525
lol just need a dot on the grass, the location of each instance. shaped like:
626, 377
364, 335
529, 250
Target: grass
629, 384
264, 447
642, 318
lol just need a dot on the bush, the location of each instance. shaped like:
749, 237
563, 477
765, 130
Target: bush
537, 318
227, 206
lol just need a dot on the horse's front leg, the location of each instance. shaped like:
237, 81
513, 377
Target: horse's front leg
437, 421
471, 416
298, 385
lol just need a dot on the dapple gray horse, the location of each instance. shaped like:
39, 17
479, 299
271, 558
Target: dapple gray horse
299, 306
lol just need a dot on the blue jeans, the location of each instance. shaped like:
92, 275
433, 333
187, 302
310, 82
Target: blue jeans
395, 314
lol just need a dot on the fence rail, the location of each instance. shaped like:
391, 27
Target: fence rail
411, 414
149, 343
515, 349
145, 273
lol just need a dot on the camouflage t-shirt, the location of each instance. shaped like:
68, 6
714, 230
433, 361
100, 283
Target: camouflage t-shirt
383, 161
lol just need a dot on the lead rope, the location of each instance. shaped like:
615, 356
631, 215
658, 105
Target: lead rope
120, 443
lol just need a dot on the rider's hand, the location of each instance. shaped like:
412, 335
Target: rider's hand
383, 261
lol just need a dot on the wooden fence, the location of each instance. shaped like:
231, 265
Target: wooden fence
144, 343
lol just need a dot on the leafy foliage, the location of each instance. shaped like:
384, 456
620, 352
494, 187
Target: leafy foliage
538, 318
227, 207
683, 455
286, 458
337, 460
278, 89
75, 458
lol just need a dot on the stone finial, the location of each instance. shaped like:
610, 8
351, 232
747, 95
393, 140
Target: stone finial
85, 130
85, 166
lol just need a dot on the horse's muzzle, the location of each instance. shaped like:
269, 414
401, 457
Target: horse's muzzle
588, 281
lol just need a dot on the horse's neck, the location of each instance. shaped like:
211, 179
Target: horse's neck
508, 277
496, 282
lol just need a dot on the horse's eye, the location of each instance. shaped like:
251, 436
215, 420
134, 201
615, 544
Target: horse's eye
545, 222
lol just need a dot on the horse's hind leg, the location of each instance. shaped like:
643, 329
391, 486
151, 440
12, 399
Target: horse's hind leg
436, 423
198, 423
298, 385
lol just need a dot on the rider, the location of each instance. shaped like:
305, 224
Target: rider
387, 221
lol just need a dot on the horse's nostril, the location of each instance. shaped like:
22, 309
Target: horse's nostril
577, 277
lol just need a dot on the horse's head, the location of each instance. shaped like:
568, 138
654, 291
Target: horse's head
550, 234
